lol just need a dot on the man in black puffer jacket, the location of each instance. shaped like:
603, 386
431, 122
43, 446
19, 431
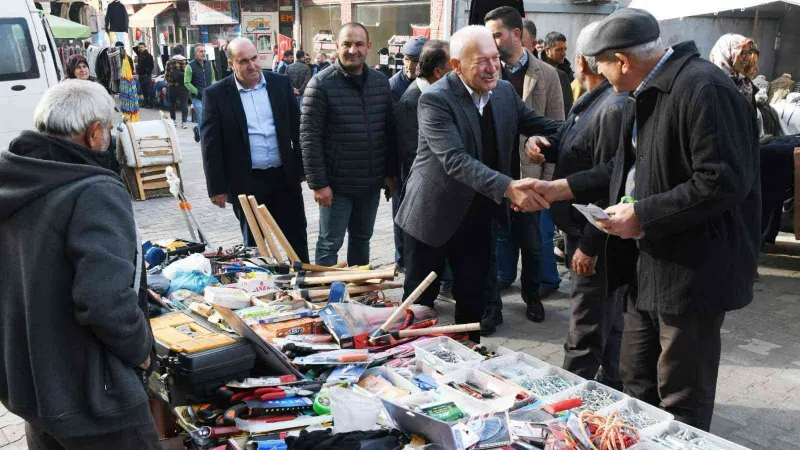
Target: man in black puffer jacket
349, 149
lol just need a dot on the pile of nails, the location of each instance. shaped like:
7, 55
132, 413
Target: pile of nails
546, 386
447, 355
683, 440
640, 420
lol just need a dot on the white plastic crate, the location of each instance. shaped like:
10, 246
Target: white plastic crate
589, 385
524, 380
673, 427
506, 392
647, 446
507, 365
423, 352
659, 415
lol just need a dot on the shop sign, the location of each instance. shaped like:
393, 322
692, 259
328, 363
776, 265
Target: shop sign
258, 25
219, 12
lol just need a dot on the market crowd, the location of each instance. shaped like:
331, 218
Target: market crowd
483, 144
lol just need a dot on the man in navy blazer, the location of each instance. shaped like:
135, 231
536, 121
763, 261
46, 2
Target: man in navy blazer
250, 141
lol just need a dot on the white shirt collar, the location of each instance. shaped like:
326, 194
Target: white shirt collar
480, 100
423, 84
240, 88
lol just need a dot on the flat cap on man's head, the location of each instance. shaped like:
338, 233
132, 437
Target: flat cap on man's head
413, 47
627, 27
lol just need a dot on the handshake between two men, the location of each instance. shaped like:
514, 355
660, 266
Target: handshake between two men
531, 195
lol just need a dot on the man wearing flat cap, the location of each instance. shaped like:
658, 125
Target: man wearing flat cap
685, 185
402, 80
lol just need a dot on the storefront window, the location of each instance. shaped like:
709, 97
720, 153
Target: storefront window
320, 20
386, 20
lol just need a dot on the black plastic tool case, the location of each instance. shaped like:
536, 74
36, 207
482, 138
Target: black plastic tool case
184, 379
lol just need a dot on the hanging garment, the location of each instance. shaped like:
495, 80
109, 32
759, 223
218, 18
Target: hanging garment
479, 8
75, 12
92, 53
116, 17
128, 93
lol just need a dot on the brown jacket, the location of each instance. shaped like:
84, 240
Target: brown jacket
542, 92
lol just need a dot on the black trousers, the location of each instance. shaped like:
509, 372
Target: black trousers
284, 200
146, 89
178, 98
596, 321
144, 437
469, 253
777, 176
672, 361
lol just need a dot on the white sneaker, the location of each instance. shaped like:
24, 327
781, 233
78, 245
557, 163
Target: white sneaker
184, 126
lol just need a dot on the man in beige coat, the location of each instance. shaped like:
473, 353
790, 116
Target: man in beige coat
537, 84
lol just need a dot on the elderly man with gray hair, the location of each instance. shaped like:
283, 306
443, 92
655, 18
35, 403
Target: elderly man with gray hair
76, 342
601, 266
685, 185
461, 178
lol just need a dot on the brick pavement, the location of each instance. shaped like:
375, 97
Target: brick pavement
758, 394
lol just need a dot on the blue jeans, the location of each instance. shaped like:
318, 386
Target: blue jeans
548, 273
197, 104
300, 101
521, 237
354, 215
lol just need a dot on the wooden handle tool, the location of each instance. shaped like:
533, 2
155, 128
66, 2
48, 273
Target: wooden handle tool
384, 329
391, 338
279, 234
297, 265
253, 224
347, 276
316, 294
262, 223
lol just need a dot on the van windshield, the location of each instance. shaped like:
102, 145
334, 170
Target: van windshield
18, 61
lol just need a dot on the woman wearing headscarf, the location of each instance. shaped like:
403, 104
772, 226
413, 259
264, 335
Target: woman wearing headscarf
734, 54
78, 68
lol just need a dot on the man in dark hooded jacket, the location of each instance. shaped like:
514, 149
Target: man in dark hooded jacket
75, 335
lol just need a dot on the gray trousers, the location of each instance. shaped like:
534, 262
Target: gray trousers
592, 346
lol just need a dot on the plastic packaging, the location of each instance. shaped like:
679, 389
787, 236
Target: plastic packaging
194, 281
505, 393
352, 411
191, 263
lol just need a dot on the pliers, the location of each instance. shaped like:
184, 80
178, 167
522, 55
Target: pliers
274, 393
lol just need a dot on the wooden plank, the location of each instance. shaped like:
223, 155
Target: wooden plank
156, 152
151, 186
138, 177
151, 169
797, 193
154, 178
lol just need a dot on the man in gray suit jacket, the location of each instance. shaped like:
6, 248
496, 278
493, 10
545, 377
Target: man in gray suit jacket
460, 179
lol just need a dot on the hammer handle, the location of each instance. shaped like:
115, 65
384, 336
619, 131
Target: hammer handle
253, 224
408, 302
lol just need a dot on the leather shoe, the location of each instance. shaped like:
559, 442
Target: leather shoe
535, 309
491, 319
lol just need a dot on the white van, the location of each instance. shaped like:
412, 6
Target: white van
28, 66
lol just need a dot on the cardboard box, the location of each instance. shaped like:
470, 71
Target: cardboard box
306, 325
257, 286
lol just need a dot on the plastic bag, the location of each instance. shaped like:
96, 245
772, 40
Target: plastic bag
195, 261
194, 281
366, 319
352, 411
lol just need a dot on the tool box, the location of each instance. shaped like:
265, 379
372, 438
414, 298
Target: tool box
194, 359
